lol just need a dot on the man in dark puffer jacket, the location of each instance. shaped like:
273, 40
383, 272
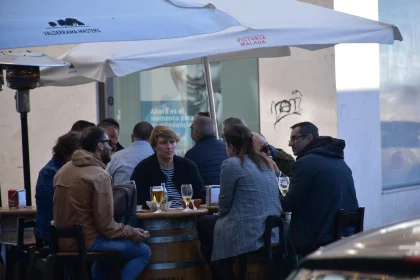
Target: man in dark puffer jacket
208, 152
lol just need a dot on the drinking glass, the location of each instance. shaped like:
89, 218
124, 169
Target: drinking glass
158, 196
284, 185
186, 193
151, 194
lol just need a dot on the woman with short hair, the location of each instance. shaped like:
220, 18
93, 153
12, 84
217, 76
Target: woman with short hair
166, 167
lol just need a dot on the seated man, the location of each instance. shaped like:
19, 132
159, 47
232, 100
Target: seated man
322, 183
113, 133
208, 152
117, 125
283, 160
123, 162
83, 196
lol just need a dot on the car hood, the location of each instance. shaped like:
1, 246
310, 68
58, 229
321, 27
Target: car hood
392, 241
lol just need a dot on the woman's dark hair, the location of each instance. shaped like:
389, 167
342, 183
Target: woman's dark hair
240, 137
66, 145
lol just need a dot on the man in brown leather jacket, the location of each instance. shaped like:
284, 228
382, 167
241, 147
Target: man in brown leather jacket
83, 196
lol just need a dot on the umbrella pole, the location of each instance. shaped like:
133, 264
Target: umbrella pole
22, 107
207, 74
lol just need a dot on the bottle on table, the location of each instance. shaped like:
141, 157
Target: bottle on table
165, 192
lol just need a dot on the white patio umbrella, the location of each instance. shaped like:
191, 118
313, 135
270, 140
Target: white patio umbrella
267, 26
26, 23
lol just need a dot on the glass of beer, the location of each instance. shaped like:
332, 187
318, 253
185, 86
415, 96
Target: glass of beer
186, 193
158, 196
284, 185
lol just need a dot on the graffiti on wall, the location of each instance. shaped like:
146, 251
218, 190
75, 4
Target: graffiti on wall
287, 107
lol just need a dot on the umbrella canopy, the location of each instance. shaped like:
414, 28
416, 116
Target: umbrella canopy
47, 22
99, 61
296, 23
271, 26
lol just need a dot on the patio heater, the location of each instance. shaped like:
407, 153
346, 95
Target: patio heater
22, 75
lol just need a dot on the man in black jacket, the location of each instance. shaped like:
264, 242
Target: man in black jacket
322, 183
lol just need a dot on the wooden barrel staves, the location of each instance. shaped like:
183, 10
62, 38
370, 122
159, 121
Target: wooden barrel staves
174, 244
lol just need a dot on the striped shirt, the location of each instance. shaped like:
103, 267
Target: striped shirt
173, 194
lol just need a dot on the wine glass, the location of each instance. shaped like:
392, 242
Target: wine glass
158, 196
284, 185
186, 193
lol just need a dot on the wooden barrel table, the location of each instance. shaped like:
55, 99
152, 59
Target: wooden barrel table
174, 244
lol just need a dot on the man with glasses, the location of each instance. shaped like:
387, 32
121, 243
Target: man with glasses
113, 133
322, 183
83, 196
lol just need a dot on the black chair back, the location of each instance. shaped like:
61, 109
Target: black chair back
271, 223
21, 226
74, 232
354, 220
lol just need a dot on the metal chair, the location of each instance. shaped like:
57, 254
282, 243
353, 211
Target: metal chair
267, 250
353, 220
81, 257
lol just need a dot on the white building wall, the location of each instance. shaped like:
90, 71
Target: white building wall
358, 117
312, 74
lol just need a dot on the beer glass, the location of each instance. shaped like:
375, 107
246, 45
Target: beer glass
284, 185
158, 196
186, 193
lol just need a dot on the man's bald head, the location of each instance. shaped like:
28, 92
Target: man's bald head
142, 131
202, 127
260, 143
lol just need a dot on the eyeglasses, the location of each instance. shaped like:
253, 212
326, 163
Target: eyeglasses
265, 148
295, 138
109, 141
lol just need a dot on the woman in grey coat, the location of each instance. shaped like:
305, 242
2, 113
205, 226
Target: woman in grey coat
248, 195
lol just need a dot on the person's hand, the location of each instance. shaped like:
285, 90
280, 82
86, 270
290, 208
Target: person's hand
274, 166
140, 235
